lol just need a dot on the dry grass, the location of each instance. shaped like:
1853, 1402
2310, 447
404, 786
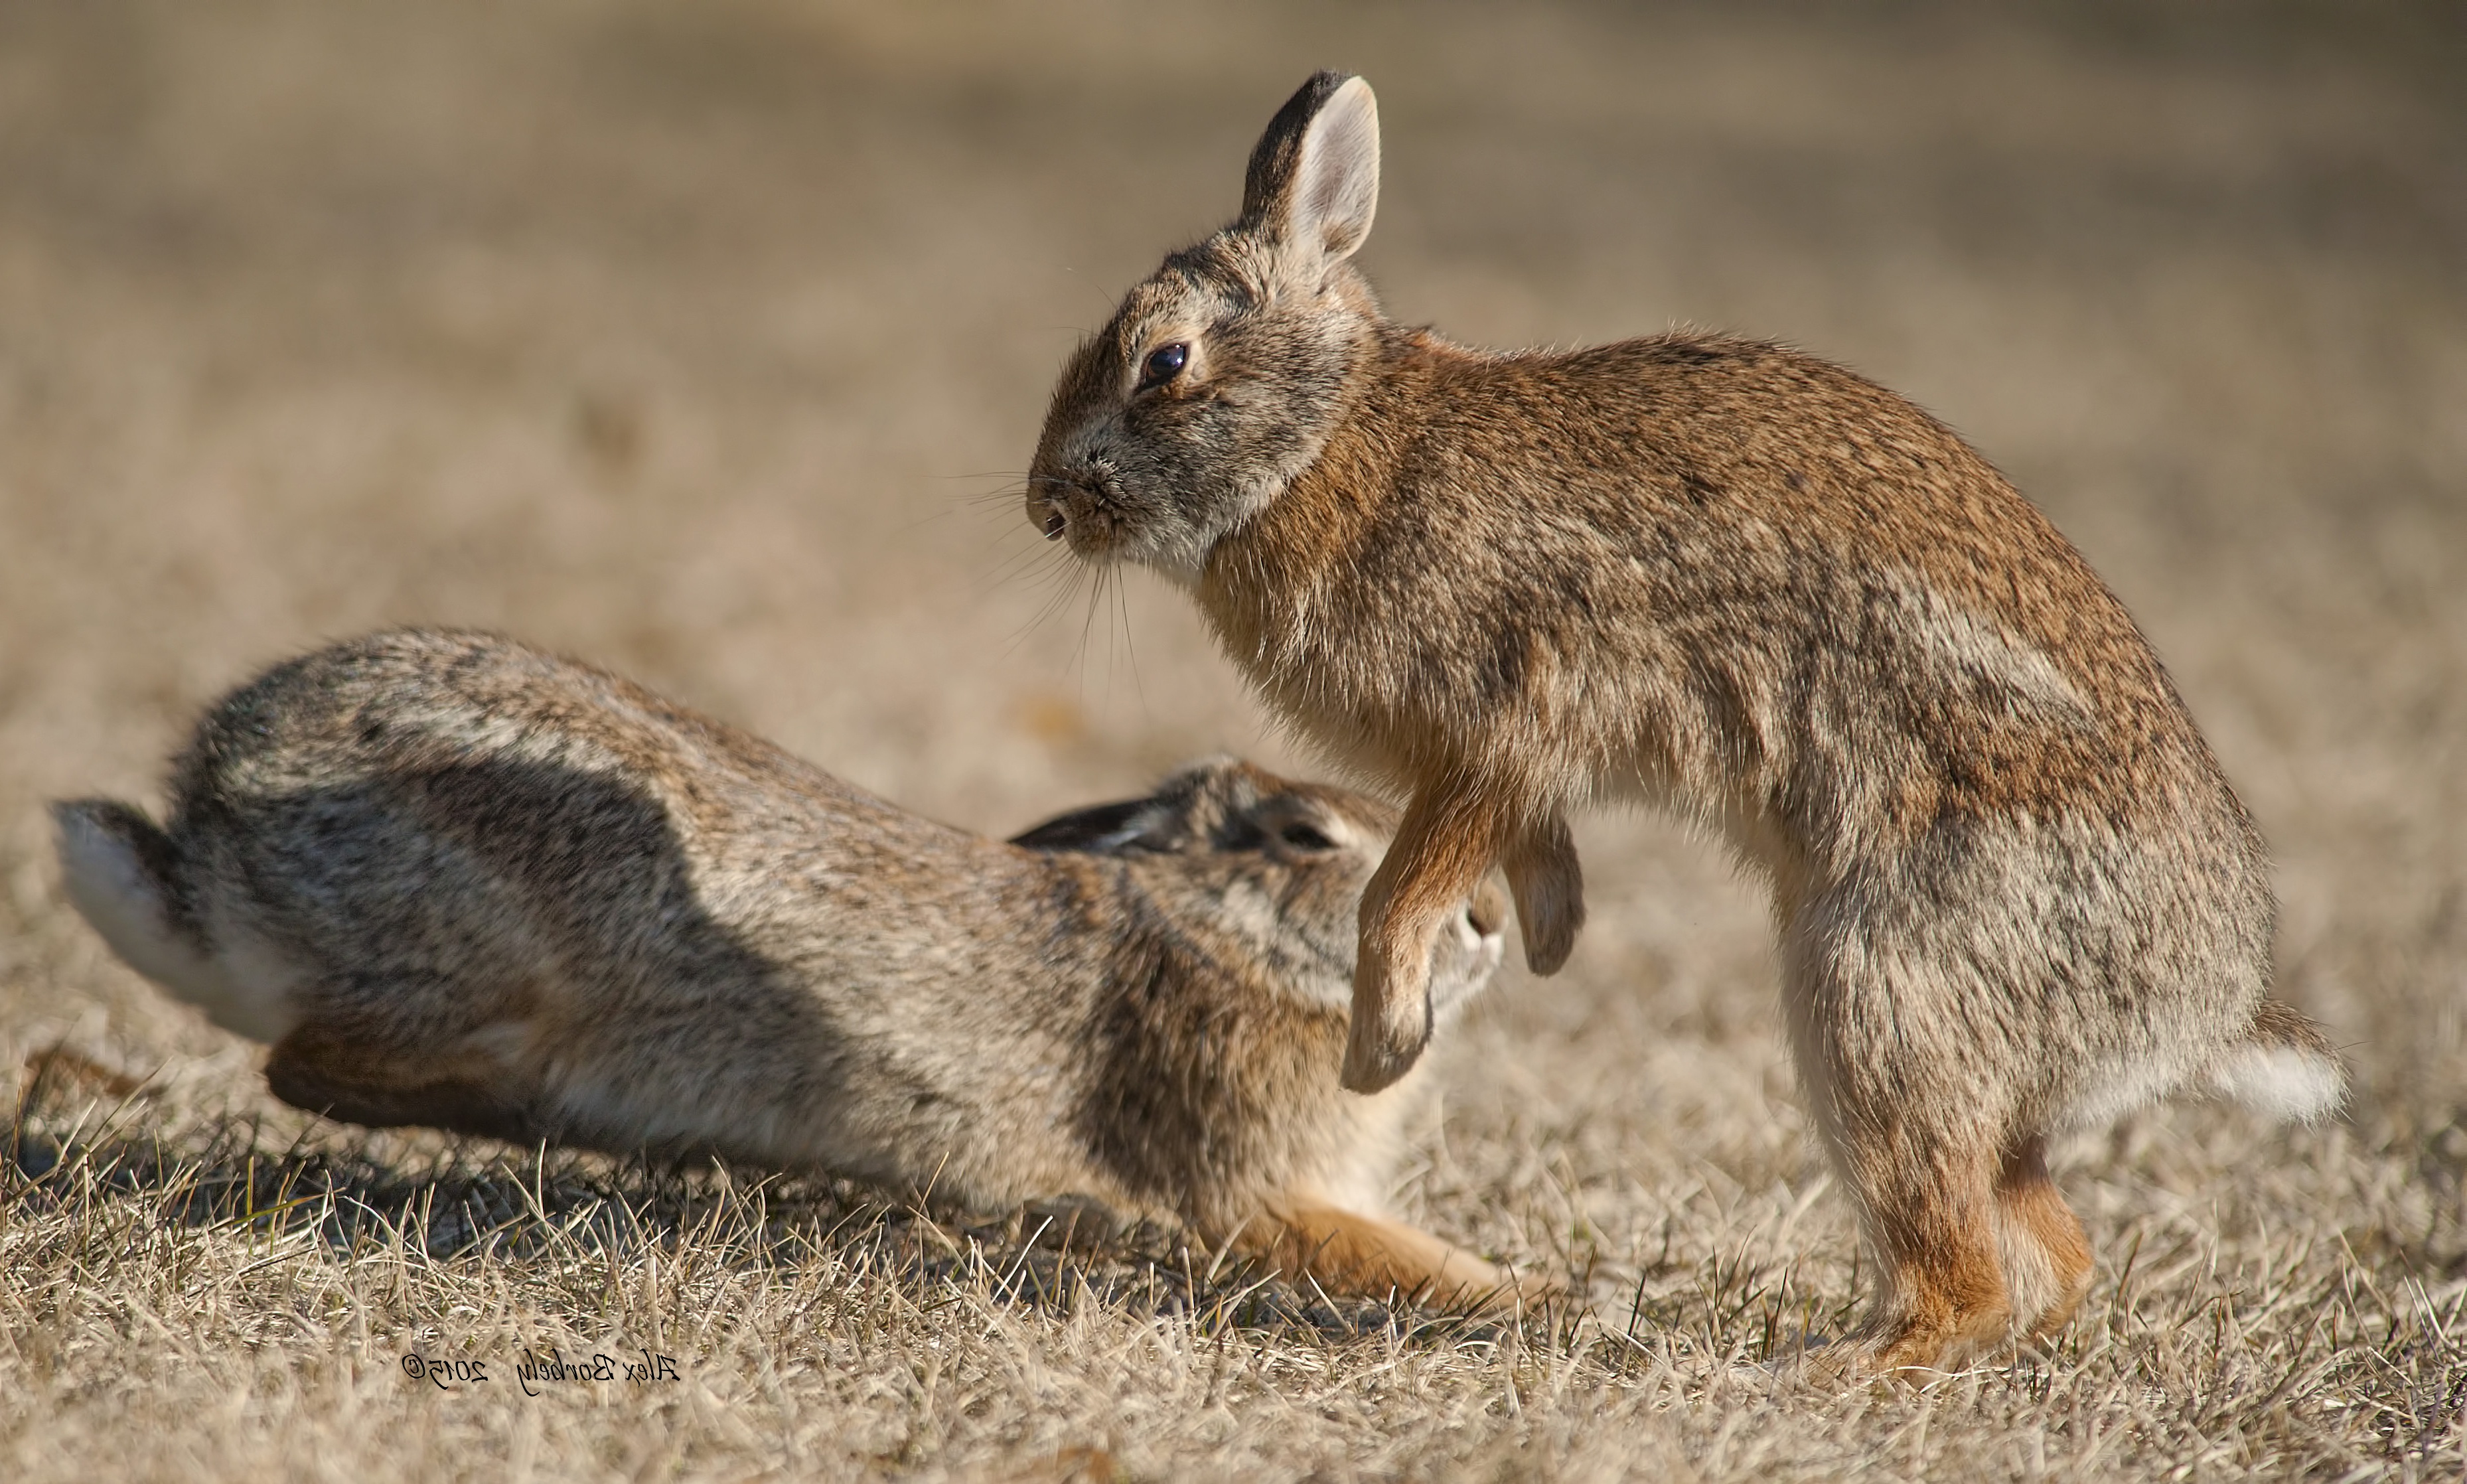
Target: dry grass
680, 337
243, 1287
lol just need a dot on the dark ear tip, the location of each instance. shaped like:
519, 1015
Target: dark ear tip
102, 816
1274, 158
1308, 100
1101, 829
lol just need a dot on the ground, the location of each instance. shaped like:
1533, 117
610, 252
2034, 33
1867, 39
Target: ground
709, 342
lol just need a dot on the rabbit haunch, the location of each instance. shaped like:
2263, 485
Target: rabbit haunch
2014, 891
460, 882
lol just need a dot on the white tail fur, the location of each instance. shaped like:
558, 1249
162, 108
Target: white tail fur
104, 865
2285, 1066
2296, 1084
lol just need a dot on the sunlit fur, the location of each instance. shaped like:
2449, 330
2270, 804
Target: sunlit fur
460, 882
2014, 892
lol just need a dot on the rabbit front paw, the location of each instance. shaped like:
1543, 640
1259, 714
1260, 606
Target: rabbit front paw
1392, 1020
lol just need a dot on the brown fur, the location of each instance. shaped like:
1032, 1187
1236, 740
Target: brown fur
1718, 574
1345, 1249
2046, 1256
462, 884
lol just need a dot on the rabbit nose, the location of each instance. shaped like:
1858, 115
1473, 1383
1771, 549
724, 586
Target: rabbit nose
1488, 910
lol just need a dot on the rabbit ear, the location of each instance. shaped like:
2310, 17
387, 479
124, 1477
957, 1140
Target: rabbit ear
1104, 829
1314, 178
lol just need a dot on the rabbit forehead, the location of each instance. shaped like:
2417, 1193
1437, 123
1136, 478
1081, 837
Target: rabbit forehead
1231, 272
1234, 786
1177, 302
1345, 817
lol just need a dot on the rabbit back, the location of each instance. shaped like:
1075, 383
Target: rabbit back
463, 863
1718, 566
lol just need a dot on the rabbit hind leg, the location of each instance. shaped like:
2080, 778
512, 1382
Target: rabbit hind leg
348, 1077
1916, 1099
1348, 1253
1921, 1168
1944, 1287
2046, 1256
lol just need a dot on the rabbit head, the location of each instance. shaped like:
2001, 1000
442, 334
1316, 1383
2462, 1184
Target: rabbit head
1276, 870
1221, 375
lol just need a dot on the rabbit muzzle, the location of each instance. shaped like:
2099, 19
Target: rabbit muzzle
1081, 505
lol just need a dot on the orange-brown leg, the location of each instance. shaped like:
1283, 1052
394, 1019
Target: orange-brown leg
1347, 1252
1451, 834
1917, 1134
1930, 1215
2046, 1257
56, 1066
1548, 883
344, 1076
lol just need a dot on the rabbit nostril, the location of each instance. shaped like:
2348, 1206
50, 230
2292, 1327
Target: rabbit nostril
1056, 525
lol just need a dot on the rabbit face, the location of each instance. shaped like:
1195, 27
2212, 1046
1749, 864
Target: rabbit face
1213, 386
1275, 871
1220, 377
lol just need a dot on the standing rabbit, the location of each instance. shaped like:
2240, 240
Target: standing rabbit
460, 882
2014, 892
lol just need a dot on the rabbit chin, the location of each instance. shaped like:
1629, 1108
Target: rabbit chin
1180, 556
1173, 545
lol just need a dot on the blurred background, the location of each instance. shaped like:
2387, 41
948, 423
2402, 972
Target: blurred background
708, 343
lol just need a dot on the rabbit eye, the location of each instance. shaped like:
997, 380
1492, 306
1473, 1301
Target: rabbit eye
1302, 837
1164, 364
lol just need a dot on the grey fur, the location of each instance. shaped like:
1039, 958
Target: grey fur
462, 883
